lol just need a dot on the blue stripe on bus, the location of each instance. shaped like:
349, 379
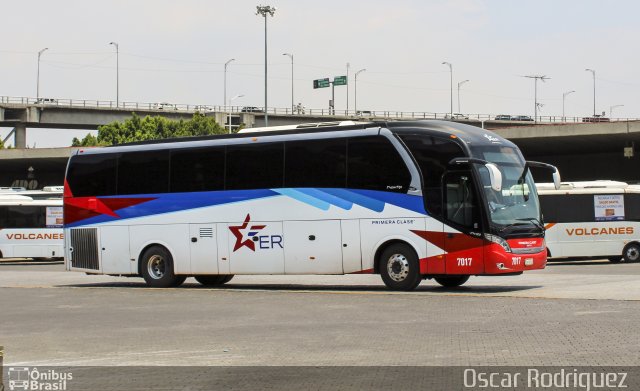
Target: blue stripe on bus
320, 198
324, 196
405, 201
358, 199
301, 196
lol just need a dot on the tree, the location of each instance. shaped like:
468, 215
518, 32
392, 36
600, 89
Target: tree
1, 144
150, 128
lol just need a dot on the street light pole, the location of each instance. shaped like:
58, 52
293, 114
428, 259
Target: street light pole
229, 107
38, 75
117, 73
348, 67
291, 57
564, 95
265, 10
535, 92
459, 84
355, 92
451, 90
225, 79
593, 72
611, 110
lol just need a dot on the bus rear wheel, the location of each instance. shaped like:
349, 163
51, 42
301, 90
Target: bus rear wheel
214, 280
157, 268
451, 281
631, 252
399, 268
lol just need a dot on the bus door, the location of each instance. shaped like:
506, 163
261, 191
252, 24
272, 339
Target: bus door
464, 248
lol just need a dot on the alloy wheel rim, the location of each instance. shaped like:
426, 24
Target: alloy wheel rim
156, 267
398, 267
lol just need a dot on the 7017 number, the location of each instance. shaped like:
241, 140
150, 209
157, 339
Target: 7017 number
464, 261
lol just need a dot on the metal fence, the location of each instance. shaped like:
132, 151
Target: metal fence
347, 114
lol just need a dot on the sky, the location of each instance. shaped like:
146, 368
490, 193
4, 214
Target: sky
174, 51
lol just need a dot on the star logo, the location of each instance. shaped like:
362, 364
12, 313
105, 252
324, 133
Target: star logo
238, 232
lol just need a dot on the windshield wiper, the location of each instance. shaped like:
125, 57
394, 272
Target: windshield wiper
506, 227
535, 222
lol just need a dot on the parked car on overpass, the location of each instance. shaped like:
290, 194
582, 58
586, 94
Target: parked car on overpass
456, 116
596, 118
251, 109
503, 117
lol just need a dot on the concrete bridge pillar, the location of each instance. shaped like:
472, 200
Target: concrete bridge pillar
20, 134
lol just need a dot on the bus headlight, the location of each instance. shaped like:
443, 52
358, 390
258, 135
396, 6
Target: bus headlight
498, 240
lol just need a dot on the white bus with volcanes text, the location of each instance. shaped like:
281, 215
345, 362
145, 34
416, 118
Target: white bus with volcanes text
406, 200
30, 226
592, 219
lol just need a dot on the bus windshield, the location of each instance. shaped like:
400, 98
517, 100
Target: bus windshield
517, 203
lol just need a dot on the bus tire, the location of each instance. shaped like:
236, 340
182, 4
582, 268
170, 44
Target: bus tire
214, 280
399, 267
451, 281
157, 268
631, 252
615, 259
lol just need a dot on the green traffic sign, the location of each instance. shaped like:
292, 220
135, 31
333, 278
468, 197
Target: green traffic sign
340, 81
321, 83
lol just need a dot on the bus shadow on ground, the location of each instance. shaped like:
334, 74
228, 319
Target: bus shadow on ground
30, 263
595, 262
484, 289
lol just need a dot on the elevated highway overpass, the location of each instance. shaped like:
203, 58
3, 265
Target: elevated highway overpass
582, 151
21, 113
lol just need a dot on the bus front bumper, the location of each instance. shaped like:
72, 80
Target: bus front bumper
498, 261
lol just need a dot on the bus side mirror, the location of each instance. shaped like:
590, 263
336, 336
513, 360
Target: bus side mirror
554, 170
556, 179
495, 176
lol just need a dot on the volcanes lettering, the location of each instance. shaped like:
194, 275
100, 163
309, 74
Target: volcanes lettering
35, 236
599, 231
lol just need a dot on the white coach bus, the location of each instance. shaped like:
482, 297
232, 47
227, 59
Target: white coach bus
406, 200
593, 219
31, 226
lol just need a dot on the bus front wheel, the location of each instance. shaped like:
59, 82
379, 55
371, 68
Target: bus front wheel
451, 281
157, 268
399, 268
214, 280
631, 253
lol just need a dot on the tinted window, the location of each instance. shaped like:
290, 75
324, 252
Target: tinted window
460, 200
567, 208
197, 169
374, 164
432, 155
22, 216
632, 207
143, 172
255, 166
92, 175
316, 163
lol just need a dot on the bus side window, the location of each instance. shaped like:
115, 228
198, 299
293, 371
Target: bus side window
373, 163
316, 163
254, 166
197, 169
144, 172
93, 175
22, 216
432, 155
